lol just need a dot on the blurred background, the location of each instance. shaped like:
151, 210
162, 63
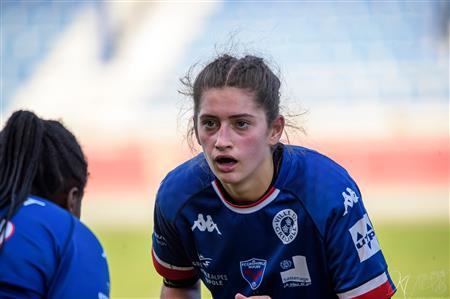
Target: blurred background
367, 80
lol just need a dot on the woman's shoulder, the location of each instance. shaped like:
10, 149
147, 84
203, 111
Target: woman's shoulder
193, 172
44, 221
183, 182
314, 164
86, 237
323, 186
39, 211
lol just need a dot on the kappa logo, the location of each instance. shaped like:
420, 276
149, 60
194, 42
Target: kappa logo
252, 271
8, 231
364, 238
285, 225
203, 225
349, 199
297, 276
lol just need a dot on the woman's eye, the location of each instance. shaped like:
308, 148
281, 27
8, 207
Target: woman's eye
209, 124
242, 124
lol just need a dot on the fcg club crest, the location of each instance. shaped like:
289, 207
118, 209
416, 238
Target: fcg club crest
253, 271
285, 225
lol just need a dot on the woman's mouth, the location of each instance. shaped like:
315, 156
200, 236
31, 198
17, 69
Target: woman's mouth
225, 163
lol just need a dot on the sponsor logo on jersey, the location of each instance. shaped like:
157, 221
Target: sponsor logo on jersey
252, 271
7, 232
285, 225
203, 262
161, 240
350, 198
286, 264
298, 276
364, 238
214, 279
203, 225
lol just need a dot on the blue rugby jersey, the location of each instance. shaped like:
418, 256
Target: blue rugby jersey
48, 253
309, 236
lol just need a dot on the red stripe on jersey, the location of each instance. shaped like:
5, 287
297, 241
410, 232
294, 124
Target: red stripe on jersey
172, 274
383, 291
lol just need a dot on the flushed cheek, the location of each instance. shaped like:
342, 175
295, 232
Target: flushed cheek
206, 143
253, 150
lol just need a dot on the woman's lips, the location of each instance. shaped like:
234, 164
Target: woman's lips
225, 164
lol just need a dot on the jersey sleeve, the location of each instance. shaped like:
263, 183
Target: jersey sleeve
83, 269
169, 257
354, 255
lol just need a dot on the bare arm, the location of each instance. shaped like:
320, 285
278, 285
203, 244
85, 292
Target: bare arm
181, 293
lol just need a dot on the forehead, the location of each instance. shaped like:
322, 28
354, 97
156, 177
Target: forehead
228, 101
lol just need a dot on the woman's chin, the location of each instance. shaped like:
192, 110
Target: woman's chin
228, 178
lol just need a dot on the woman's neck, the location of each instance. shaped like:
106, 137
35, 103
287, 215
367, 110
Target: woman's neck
253, 188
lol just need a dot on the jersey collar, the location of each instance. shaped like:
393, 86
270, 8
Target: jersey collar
268, 196
266, 199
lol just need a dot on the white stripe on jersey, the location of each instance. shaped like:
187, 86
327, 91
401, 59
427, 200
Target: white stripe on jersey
365, 288
32, 201
244, 210
169, 266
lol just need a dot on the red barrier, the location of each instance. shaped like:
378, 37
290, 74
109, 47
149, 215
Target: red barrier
386, 162
390, 162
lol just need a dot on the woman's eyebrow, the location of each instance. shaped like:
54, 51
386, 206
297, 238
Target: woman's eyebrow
240, 115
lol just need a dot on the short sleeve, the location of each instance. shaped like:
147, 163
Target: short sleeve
169, 257
354, 255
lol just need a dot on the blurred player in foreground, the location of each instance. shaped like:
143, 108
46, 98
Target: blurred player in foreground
251, 216
46, 252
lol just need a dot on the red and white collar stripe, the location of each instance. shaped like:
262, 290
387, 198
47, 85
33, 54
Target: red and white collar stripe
247, 209
376, 288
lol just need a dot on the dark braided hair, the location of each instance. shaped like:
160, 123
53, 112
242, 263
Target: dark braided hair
39, 157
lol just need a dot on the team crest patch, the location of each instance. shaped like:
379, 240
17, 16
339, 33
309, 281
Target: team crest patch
285, 225
253, 271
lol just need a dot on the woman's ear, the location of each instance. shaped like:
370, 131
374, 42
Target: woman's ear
276, 130
73, 201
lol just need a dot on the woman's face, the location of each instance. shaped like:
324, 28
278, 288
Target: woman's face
233, 132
